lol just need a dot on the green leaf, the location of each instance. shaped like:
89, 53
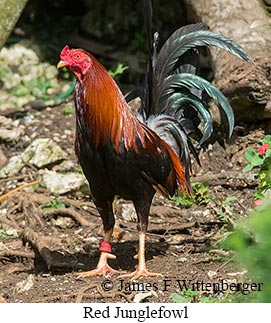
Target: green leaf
258, 195
266, 139
68, 110
206, 300
249, 155
184, 296
191, 293
178, 298
229, 199
237, 241
248, 168
118, 70
268, 153
253, 158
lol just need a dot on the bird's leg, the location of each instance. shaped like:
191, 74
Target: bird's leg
103, 268
141, 269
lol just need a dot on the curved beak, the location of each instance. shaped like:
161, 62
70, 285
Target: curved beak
61, 64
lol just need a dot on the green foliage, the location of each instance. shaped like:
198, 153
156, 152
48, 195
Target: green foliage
261, 161
3, 71
68, 110
185, 296
4, 233
200, 196
53, 204
120, 68
224, 206
35, 87
252, 242
190, 296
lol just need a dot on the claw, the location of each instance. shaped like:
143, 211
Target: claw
105, 270
102, 268
139, 272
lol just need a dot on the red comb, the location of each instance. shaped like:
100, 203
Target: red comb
64, 51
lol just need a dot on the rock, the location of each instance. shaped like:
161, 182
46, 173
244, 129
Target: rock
25, 285
41, 153
62, 183
14, 165
3, 159
12, 232
65, 166
126, 210
10, 131
11, 134
23, 76
212, 274
140, 297
63, 222
182, 259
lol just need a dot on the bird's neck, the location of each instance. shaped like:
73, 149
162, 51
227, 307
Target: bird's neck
105, 110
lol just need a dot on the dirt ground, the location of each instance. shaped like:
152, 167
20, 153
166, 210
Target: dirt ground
41, 260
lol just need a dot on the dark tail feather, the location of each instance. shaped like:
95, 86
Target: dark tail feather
147, 98
173, 102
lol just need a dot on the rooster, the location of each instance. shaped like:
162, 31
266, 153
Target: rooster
136, 156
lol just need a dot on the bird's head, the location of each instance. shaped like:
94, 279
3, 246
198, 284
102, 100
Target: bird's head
76, 60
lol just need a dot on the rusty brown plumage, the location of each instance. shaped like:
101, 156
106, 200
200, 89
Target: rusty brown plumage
118, 153
107, 112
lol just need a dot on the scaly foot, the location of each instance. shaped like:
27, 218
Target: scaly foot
140, 272
105, 270
102, 268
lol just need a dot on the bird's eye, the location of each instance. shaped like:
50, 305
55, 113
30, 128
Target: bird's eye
77, 56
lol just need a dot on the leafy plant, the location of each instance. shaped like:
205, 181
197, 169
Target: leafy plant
53, 204
3, 71
190, 296
200, 196
68, 110
261, 161
36, 87
3, 232
225, 206
185, 296
120, 68
6, 233
252, 242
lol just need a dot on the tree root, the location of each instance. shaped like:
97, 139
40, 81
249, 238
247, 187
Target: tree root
233, 176
41, 245
69, 212
179, 239
79, 205
33, 214
16, 253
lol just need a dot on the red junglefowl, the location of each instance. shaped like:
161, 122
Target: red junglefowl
133, 157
